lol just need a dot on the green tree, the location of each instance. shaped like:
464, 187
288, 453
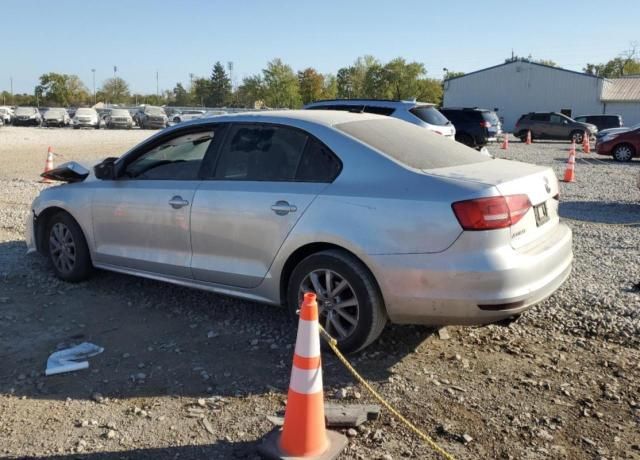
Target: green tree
201, 90
220, 86
375, 84
429, 90
181, 96
61, 89
615, 68
451, 74
251, 91
351, 80
280, 85
115, 90
402, 78
330, 88
311, 85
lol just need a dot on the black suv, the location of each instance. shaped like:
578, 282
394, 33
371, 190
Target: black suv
474, 127
601, 121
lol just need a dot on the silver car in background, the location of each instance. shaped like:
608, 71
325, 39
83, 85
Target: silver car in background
86, 118
188, 115
151, 117
119, 118
382, 219
56, 117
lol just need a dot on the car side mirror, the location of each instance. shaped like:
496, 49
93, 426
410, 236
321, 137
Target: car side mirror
105, 170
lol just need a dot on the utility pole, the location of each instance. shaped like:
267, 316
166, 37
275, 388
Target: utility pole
157, 88
191, 81
230, 67
115, 83
93, 71
11, 83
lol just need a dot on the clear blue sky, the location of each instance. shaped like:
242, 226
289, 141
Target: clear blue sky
179, 37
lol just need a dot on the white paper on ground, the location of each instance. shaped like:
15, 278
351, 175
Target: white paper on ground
69, 360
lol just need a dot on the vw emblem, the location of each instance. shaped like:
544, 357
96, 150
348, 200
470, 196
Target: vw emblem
547, 187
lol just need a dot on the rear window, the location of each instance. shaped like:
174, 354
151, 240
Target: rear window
429, 114
491, 117
379, 110
411, 145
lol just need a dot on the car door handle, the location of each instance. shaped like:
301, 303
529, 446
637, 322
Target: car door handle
282, 208
177, 202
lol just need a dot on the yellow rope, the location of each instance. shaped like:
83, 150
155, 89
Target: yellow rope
333, 344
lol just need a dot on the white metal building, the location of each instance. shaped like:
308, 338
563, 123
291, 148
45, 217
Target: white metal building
520, 86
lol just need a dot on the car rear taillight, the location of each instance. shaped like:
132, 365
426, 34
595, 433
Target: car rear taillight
485, 124
491, 213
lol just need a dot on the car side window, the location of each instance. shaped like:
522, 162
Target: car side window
540, 117
318, 163
261, 153
557, 119
176, 159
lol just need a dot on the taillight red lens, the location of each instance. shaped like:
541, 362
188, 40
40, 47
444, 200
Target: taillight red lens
485, 124
491, 213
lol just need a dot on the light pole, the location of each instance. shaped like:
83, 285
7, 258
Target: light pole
93, 71
157, 88
11, 84
115, 83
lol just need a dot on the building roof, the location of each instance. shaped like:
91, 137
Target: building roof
621, 89
519, 61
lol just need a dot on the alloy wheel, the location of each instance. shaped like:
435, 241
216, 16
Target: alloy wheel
62, 248
337, 302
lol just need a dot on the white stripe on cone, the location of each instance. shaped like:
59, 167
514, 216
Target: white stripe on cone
306, 381
308, 339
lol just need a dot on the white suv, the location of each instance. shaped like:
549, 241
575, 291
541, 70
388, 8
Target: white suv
419, 113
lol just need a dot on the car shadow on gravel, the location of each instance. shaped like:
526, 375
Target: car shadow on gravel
159, 339
601, 212
219, 450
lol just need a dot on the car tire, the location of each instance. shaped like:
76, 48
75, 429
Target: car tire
363, 301
623, 152
67, 248
522, 135
576, 136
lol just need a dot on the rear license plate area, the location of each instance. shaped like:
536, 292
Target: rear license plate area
541, 213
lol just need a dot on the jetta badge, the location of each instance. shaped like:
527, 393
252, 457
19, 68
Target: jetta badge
547, 187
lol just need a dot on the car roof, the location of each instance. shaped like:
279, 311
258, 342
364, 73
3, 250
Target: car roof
322, 117
371, 102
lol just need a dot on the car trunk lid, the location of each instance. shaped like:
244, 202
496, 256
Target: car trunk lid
514, 178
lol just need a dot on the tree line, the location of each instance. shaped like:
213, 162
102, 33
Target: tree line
279, 86
276, 86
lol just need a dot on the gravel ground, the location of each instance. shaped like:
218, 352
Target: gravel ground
560, 382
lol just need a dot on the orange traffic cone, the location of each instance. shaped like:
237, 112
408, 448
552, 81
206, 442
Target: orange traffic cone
569, 172
586, 146
48, 166
304, 434
528, 142
505, 142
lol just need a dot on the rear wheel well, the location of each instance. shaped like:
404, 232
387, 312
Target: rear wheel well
302, 253
41, 227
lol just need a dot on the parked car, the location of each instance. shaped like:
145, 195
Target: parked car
623, 129
86, 118
150, 117
378, 217
27, 116
187, 115
622, 146
418, 113
56, 117
6, 114
601, 121
119, 118
474, 127
214, 113
552, 125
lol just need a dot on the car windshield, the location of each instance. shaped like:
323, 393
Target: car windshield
154, 110
429, 114
119, 113
25, 111
85, 112
411, 145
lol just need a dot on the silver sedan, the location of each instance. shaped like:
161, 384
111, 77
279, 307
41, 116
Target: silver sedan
381, 219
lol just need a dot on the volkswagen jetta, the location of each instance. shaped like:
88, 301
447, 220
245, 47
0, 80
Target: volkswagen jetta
382, 219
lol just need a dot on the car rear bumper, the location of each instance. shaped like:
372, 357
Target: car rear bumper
468, 285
